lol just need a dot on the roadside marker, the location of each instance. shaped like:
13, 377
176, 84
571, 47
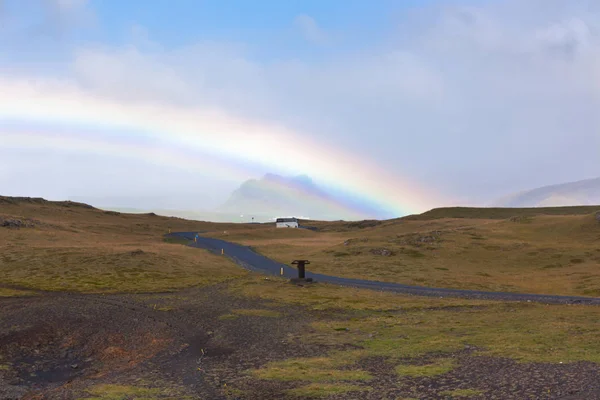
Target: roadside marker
281, 270
222, 251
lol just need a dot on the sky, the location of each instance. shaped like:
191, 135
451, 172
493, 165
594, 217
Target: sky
410, 104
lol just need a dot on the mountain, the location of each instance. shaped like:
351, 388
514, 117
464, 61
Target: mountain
584, 192
275, 196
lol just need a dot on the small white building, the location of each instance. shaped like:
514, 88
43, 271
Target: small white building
286, 222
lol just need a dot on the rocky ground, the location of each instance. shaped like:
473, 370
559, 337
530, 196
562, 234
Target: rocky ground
66, 346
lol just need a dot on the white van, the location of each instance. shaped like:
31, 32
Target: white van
286, 223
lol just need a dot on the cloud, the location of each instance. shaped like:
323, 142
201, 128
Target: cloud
310, 29
54, 19
63, 16
479, 102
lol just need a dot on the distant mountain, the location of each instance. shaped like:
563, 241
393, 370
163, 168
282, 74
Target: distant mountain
584, 192
274, 195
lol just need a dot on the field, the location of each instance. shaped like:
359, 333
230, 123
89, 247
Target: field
512, 250
76, 248
98, 305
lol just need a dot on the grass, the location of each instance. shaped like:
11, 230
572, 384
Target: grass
460, 393
404, 328
123, 392
439, 367
550, 253
8, 292
314, 369
73, 247
78, 248
499, 212
325, 390
257, 313
524, 332
109, 266
82, 249
322, 296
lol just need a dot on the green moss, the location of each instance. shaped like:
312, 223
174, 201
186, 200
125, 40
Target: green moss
524, 332
123, 392
315, 369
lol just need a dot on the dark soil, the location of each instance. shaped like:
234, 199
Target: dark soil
494, 378
57, 345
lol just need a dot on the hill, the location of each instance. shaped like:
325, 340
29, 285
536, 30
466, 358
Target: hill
540, 250
500, 212
584, 192
275, 196
137, 308
64, 245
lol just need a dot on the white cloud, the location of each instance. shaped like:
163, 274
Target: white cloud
44, 19
479, 102
310, 29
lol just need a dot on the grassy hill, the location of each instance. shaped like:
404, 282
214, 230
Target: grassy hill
544, 250
73, 246
266, 338
500, 212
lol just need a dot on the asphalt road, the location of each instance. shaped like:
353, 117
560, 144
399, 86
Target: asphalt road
249, 259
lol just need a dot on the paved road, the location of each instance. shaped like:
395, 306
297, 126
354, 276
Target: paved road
247, 258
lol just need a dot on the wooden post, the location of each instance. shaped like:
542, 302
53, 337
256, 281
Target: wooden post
301, 268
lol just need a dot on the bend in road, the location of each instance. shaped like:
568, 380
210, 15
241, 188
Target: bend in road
250, 260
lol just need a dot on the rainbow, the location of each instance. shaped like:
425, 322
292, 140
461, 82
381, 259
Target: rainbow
55, 114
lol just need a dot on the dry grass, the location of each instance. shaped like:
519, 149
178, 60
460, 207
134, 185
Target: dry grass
316, 369
77, 248
555, 254
500, 212
8, 292
403, 328
322, 296
256, 312
524, 332
121, 392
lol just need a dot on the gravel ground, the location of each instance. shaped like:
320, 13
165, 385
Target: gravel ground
58, 345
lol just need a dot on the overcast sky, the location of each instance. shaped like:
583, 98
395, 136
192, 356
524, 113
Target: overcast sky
471, 99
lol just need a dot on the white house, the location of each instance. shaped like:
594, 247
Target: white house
286, 223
